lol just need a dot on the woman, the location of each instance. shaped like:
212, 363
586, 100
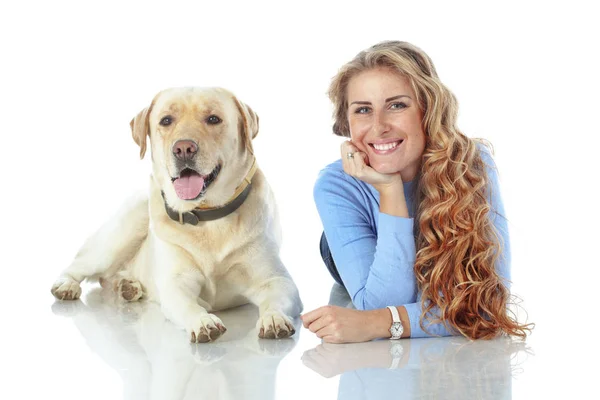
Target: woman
414, 225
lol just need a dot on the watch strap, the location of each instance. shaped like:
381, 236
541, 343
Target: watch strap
395, 315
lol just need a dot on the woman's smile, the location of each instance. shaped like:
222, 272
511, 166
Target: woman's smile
386, 147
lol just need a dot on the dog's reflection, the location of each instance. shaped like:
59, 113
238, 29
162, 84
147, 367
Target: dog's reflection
440, 368
156, 362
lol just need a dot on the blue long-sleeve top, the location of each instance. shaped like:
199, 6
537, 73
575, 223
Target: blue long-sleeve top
375, 252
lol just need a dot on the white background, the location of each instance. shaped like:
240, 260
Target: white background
73, 74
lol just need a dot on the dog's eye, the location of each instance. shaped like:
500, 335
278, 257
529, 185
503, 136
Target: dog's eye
213, 120
166, 121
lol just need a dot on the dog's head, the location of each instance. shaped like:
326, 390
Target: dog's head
201, 144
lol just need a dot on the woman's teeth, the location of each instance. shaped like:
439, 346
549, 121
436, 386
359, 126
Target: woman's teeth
386, 146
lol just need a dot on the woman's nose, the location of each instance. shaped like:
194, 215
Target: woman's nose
380, 123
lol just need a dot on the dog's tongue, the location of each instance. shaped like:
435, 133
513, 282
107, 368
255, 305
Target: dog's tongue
189, 185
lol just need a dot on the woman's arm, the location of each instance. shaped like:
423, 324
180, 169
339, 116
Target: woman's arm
375, 259
336, 324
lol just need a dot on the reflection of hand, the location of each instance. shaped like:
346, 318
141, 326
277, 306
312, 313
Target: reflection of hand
358, 166
333, 359
336, 324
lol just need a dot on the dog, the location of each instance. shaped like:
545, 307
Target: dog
206, 235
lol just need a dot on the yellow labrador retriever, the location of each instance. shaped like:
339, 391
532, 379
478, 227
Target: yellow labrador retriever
206, 235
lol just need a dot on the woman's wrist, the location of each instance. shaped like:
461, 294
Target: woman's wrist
405, 321
381, 321
392, 200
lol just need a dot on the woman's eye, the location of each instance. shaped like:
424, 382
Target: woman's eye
213, 120
362, 110
166, 121
398, 106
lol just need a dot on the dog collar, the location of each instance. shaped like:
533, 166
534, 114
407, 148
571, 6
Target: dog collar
198, 214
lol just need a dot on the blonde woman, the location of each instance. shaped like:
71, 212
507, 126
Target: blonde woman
414, 224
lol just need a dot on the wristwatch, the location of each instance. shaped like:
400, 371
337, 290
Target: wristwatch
396, 329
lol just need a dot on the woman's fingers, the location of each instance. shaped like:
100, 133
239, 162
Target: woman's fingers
356, 164
312, 316
321, 321
331, 339
322, 326
347, 153
317, 325
353, 160
347, 147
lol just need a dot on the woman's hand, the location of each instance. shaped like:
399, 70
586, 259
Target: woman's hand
358, 166
390, 187
336, 324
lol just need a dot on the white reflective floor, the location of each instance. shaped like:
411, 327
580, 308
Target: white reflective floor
109, 350
97, 348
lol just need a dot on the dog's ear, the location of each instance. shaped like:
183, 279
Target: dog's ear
248, 124
140, 129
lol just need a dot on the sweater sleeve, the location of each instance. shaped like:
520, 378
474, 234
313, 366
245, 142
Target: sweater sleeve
375, 266
499, 220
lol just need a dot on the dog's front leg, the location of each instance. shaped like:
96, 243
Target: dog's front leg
180, 303
278, 303
179, 286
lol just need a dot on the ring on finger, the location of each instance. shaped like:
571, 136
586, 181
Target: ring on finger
349, 155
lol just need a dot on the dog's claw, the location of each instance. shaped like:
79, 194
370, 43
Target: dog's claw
66, 289
275, 326
214, 333
206, 328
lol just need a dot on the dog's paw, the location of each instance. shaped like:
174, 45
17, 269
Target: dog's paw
66, 289
205, 328
274, 325
129, 290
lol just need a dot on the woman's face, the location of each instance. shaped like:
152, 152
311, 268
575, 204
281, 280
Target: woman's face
386, 121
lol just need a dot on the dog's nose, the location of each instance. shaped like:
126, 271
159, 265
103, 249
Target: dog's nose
185, 149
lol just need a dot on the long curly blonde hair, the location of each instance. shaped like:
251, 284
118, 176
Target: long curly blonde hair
457, 244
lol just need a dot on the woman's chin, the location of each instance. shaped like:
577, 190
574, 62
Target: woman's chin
385, 168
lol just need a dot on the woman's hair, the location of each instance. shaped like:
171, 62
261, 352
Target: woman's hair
457, 243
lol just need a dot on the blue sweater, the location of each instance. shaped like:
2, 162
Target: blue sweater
375, 252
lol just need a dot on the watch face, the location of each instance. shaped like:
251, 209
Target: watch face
396, 329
